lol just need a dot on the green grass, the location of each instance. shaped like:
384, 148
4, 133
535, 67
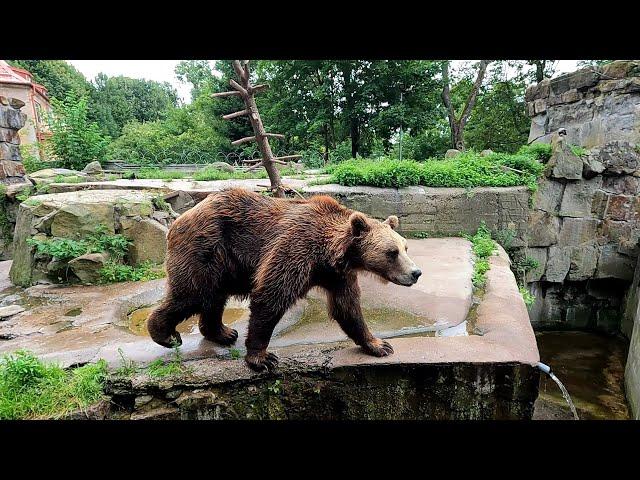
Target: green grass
31, 389
212, 173
483, 246
467, 170
155, 173
69, 179
579, 151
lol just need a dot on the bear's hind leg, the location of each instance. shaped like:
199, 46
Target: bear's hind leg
210, 323
163, 321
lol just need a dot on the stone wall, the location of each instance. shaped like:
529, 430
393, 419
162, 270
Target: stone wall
11, 169
632, 323
596, 105
439, 211
584, 227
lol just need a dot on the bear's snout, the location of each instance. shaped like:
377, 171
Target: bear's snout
416, 274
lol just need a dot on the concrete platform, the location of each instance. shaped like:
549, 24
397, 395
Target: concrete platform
433, 325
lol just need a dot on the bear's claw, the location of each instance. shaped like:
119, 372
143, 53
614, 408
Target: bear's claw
170, 341
378, 348
261, 361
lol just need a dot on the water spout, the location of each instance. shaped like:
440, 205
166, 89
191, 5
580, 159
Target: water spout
547, 369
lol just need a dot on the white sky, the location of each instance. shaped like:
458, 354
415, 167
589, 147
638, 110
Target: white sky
163, 71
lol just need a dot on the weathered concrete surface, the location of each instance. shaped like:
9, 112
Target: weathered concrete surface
632, 371
484, 375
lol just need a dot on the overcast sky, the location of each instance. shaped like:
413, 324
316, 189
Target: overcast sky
162, 71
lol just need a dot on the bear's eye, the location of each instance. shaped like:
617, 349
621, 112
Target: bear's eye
392, 254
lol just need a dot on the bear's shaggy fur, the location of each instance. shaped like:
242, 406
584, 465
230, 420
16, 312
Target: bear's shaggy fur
239, 243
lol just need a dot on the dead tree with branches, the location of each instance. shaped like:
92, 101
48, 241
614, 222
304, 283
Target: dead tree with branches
246, 91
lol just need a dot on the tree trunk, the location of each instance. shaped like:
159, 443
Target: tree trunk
457, 124
247, 94
354, 130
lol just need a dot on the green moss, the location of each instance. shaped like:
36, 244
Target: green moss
31, 389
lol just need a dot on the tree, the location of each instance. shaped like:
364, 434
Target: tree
57, 76
75, 141
196, 72
543, 69
119, 100
457, 123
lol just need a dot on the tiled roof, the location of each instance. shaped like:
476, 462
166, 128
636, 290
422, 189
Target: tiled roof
9, 75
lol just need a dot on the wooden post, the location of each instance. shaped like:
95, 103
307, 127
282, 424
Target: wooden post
247, 91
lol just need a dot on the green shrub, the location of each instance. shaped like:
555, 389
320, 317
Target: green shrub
65, 249
527, 297
31, 389
114, 272
578, 151
466, 170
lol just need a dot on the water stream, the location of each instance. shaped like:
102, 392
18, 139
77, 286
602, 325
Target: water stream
566, 395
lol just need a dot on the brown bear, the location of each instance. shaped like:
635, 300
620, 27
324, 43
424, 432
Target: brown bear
240, 243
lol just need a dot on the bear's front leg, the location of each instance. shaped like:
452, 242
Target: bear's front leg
264, 318
344, 308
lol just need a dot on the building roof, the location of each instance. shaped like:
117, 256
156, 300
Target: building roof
20, 76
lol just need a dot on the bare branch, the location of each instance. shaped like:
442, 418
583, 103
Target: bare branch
229, 116
243, 140
287, 157
225, 94
238, 87
275, 135
259, 88
237, 66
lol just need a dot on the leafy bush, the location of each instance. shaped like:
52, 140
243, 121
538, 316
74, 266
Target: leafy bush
30, 388
541, 151
65, 248
527, 297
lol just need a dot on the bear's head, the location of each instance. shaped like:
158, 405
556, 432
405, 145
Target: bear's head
381, 250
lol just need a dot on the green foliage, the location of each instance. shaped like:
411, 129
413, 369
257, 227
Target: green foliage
31, 161
75, 141
159, 369
6, 228
59, 248
579, 151
466, 170
57, 76
127, 367
32, 389
540, 151
67, 179
235, 353
483, 247
527, 297
117, 101
114, 272
65, 249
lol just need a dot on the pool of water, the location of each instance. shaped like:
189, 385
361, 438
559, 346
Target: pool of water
591, 366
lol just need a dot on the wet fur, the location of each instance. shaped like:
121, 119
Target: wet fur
239, 243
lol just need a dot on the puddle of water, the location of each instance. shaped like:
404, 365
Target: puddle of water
138, 319
74, 312
591, 366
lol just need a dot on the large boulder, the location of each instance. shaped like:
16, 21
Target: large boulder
93, 168
452, 152
87, 267
78, 220
149, 239
49, 175
223, 166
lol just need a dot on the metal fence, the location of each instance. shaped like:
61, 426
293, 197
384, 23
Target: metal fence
188, 160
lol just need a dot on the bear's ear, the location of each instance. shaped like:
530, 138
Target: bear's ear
392, 221
359, 224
